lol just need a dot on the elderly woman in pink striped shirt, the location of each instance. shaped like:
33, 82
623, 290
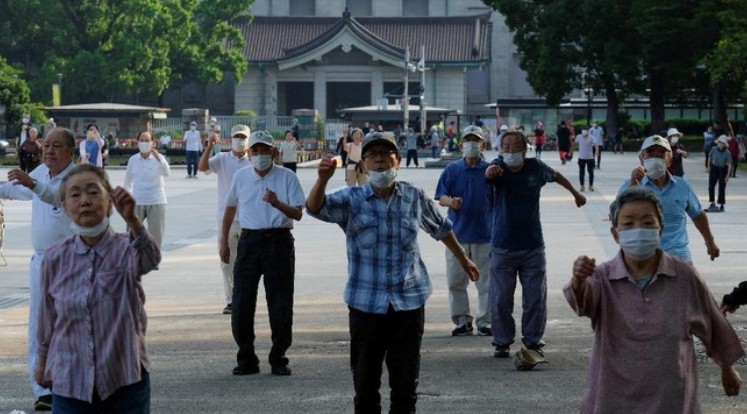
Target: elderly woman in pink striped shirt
92, 321
645, 307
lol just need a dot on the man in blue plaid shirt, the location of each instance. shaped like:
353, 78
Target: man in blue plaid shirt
388, 283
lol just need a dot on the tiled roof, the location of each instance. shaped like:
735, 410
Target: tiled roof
455, 40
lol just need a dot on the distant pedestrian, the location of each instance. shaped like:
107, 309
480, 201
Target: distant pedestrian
499, 138
91, 148
646, 307
412, 148
619, 135
218, 142
30, 152
144, 179
342, 143
463, 189
225, 165
355, 172
586, 148
92, 319
388, 283
539, 139
267, 199
719, 171
193, 147
734, 152
517, 243
678, 152
708, 142
597, 132
435, 140
565, 145
289, 151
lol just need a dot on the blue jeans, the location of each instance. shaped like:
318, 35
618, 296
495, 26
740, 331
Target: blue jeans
530, 267
192, 159
130, 399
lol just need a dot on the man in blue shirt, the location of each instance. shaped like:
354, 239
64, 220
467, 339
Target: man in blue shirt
518, 246
387, 283
677, 198
463, 189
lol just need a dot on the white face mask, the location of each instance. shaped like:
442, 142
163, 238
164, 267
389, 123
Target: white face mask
238, 144
144, 147
675, 140
655, 167
192, 128
639, 244
26, 120
382, 179
471, 149
261, 162
513, 159
90, 231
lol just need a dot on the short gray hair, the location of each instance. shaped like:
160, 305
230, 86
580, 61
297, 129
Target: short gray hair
68, 134
635, 193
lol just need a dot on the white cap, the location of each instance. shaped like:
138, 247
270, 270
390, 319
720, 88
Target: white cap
656, 140
672, 132
504, 127
723, 139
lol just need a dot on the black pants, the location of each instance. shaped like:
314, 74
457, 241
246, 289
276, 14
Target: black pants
734, 165
291, 165
412, 154
589, 165
394, 338
192, 159
269, 253
717, 175
599, 157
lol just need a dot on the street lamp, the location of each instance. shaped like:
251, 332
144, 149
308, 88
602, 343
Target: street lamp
59, 85
589, 93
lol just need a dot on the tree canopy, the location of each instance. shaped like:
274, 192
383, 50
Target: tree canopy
106, 49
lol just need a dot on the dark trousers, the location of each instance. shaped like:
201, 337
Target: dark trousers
734, 165
589, 165
291, 165
130, 399
599, 158
412, 154
717, 175
192, 158
269, 253
394, 338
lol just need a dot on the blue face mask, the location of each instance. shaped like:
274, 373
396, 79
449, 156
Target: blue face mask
382, 179
471, 149
261, 162
513, 159
639, 244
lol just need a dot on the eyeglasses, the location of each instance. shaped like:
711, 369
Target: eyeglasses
374, 154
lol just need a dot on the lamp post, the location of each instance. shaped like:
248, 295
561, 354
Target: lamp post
405, 96
59, 85
589, 92
421, 68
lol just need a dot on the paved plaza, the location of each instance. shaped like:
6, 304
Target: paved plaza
193, 352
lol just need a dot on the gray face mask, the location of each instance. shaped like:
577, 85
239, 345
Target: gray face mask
261, 162
639, 244
382, 179
655, 167
471, 149
513, 159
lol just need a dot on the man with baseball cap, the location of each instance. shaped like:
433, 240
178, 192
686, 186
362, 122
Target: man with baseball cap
268, 199
462, 188
225, 164
193, 146
677, 198
388, 283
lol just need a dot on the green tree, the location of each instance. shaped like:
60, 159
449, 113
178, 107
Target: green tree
14, 93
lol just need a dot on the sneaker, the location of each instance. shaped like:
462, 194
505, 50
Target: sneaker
189, 176
43, 403
484, 331
464, 329
721, 209
537, 349
712, 208
591, 188
246, 370
502, 351
582, 189
227, 309
281, 370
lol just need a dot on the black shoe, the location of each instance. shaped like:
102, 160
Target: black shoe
281, 370
502, 351
464, 329
537, 349
227, 309
484, 331
721, 209
712, 209
246, 370
43, 403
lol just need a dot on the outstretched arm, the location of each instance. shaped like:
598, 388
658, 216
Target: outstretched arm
578, 197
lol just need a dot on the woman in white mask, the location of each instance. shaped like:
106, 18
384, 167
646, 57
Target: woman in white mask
144, 178
91, 149
645, 307
93, 295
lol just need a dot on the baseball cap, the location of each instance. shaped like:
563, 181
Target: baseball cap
379, 138
261, 137
673, 132
216, 128
240, 130
656, 140
473, 130
504, 127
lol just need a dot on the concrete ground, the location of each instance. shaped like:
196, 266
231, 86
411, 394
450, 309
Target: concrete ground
193, 352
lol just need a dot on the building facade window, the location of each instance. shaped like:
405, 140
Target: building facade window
302, 8
415, 7
359, 7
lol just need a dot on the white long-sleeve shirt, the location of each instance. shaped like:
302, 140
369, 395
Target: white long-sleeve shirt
49, 223
192, 140
144, 179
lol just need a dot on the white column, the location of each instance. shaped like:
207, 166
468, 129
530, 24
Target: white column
320, 92
377, 86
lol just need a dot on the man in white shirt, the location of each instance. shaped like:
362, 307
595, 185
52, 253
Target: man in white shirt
165, 140
193, 146
598, 134
225, 164
268, 199
49, 223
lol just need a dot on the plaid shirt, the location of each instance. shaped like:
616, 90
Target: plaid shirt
384, 262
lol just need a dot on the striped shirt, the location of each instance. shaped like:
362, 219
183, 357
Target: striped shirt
678, 200
91, 318
643, 359
384, 262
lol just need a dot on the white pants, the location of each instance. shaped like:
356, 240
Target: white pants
34, 304
457, 281
155, 214
227, 268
